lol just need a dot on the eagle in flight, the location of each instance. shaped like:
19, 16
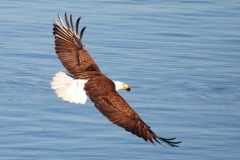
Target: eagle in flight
85, 79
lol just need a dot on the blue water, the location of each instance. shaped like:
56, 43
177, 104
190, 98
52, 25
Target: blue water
182, 59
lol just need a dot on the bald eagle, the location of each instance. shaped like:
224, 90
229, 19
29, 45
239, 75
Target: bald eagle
85, 79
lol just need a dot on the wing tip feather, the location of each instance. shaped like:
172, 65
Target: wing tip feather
168, 141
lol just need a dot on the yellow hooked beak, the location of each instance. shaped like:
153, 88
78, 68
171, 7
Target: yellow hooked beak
126, 87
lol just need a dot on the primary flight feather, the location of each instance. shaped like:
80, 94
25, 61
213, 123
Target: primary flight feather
85, 79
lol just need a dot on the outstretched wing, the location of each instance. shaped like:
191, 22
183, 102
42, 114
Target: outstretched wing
69, 48
117, 110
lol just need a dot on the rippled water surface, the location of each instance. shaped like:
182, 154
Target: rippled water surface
182, 59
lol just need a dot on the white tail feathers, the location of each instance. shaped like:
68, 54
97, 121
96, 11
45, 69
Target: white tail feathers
69, 89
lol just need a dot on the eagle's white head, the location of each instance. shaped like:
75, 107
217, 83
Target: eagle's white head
120, 85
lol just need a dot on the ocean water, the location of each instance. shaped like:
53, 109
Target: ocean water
181, 59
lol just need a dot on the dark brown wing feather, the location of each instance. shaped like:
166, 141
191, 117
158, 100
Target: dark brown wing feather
69, 48
101, 91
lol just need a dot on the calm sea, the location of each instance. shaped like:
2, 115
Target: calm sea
181, 58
